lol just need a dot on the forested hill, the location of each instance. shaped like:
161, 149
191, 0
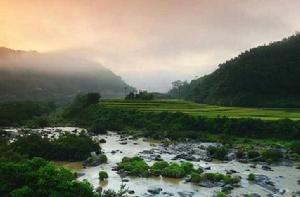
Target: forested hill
266, 76
37, 76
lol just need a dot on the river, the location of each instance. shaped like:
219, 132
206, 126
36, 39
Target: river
285, 178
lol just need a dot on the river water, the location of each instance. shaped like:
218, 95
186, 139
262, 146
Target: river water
285, 178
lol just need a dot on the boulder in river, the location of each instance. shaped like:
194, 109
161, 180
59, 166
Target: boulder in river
265, 182
155, 190
266, 168
185, 194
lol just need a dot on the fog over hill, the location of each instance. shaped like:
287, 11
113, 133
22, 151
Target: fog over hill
29, 75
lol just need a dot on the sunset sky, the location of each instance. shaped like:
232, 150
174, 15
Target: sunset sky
149, 43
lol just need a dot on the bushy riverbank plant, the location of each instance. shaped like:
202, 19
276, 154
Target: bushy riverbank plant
136, 166
103, 175
251, 177
37, 177
215, 177
217, 152
69, 147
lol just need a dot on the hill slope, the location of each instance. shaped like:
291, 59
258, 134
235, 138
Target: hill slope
36, 76
266, 76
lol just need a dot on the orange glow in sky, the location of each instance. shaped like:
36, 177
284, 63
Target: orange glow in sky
148, 42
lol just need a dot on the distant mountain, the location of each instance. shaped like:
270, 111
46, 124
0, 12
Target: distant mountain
266, 76
53, 76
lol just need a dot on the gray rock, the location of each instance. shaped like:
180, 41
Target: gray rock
99, 190
265, 182
266, 168
185, 194
155, 190
131, 192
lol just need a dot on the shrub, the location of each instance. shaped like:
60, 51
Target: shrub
253, 154
188, 167
103, 175
221, 194
217, 177
157, 167
295, 147
37, 177
195, 177
240, 154
272, 155
103, 158
134, 166
219, 152
251, 177
173, 171
69, 147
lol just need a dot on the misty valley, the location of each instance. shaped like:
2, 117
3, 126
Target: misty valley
160, 98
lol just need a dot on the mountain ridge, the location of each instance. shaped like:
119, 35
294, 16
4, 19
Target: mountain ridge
30, 75
264, 76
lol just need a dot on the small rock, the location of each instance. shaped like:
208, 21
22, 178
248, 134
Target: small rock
131, 192
156, 190
266, 168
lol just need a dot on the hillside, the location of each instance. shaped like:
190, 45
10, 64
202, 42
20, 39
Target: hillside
266, 76
36, 76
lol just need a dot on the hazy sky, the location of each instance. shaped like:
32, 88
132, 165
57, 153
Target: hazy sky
149, 43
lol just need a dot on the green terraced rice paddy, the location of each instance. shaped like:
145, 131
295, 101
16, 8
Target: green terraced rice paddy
211, 111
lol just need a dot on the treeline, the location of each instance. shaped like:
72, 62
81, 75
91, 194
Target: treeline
178, 125
266, 76
17, 113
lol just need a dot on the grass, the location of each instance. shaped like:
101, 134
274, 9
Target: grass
210, 111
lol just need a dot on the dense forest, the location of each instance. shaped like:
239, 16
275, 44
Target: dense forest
54, 77
267, 76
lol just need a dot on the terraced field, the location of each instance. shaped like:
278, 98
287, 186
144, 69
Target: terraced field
203, 109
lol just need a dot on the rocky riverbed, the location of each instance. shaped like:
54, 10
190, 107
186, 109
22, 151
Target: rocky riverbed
270, 180
277, 180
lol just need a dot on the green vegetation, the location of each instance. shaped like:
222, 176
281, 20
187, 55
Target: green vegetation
103, 158
178, 125
103, 175
266, 76
295, 147
38, 177
66, 148
272, 155
219, 152
251, 177
174, 170
221, 194
216, 177
210, 111
136, 166
142, 95
33, 114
